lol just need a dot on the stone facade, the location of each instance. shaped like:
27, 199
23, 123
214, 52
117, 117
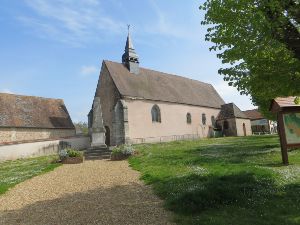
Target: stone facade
31, 134
235, 127
109, 96
98, 131
120, 124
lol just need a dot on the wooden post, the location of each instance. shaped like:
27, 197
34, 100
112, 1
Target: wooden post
283, 143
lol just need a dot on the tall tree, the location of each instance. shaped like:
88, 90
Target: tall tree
259, 42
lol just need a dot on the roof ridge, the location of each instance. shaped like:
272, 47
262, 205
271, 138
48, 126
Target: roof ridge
31, 96
168, 74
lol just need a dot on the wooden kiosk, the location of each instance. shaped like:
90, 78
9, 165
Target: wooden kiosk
288, 117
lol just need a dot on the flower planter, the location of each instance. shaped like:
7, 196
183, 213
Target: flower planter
72, 160
118, 157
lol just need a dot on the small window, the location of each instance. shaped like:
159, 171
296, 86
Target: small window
188, 118
213, 121
226, 125
203, 119
155, 112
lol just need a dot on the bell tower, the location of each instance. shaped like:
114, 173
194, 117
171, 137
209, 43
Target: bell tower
130, 59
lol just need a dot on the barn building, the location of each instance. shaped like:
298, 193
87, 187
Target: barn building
28, 118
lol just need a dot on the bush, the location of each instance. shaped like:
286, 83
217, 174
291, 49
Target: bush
125, 150
74, 153
69, 152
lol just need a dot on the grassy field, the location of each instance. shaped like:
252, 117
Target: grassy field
227, 181
14, 172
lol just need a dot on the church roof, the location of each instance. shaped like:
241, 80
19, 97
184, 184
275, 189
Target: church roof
33, 112
253, 114
159, 86
229, 111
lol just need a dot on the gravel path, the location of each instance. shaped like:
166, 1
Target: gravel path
95, 192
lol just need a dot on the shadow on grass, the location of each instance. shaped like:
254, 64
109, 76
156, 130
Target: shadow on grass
232, 153
223, 197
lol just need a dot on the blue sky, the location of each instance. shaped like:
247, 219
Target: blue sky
54, 48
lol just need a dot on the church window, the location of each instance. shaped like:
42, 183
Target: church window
226, 125
203, 119
188, 118
155, 112
213, 121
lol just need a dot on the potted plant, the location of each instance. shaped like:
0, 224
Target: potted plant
122, 152
70, 156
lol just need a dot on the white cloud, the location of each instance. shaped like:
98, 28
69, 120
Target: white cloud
68, 21
5, 90
164, 25
231, 94
88, 70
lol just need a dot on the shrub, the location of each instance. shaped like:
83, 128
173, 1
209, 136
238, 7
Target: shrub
125, 150
69, 152
74, 153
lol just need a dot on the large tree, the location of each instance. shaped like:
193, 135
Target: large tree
259, 43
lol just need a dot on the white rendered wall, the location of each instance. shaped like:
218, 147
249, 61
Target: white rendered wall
25, 150
173, 120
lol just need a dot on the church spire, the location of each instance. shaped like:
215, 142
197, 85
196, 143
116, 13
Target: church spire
130, 59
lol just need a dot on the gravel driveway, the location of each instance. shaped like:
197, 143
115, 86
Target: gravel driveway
95, 192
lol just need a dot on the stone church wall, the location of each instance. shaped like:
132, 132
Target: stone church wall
109, 96
173, 120
30, 134
231, 129
235, 127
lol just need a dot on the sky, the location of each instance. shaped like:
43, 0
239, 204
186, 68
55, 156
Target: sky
54, 48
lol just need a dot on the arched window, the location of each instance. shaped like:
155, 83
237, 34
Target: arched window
226, 125
155, 112
203, 119
188, 118
213, 121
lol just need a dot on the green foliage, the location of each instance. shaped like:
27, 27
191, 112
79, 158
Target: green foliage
258, 61
223, 181
14, 172
297, 100
126, 150
74, 153
82, 127
69, 152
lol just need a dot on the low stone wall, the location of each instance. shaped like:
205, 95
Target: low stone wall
29, 134
41, 148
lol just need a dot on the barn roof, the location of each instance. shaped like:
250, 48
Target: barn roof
33, 112
229, 111
253, 114
159, 86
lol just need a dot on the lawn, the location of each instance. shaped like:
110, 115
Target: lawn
14, 172
224, 181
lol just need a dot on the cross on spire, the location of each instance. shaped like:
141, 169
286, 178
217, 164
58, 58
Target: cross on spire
128, 27
130, 59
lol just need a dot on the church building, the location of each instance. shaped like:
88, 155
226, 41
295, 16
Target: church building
137, 105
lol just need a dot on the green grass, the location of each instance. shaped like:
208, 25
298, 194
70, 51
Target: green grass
14, 172
224, 180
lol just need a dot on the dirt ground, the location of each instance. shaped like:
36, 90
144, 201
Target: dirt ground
94, 192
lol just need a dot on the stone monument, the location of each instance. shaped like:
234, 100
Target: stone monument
98, 130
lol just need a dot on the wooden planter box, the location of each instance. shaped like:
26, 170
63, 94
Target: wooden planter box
72, 160
119, 156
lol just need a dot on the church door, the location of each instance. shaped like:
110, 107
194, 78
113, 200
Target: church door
244, 129
107, 136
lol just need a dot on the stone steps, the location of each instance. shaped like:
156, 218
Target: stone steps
97, 154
